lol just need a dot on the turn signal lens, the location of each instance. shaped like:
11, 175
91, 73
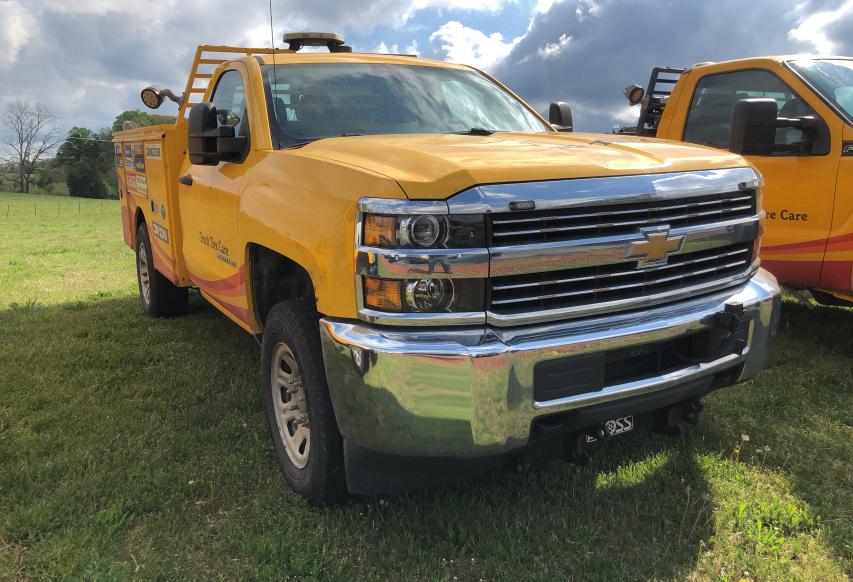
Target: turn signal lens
380, 231
383, 294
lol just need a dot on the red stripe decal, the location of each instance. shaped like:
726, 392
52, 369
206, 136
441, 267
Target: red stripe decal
837, 275
230, 283
240, 313
809, 246
805, 273
162, 262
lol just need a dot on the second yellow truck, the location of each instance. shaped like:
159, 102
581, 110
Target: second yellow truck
441, 279
798, 117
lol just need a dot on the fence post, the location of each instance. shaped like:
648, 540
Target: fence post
78, 207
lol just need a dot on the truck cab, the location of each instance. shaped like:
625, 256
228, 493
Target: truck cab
441, 280
805, 160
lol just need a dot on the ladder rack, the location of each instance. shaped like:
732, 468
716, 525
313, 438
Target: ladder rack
656, 97
207, 59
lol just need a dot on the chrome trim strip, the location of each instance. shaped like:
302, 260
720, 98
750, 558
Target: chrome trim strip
622, 273
537, 258
544, 315
600, 191
417, 263
419, 319
391, 206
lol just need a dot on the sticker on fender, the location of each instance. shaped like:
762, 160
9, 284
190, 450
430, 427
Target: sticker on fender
615, 426
160, 232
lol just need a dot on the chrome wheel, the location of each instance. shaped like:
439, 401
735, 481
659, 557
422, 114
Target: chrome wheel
144, 273
291, 411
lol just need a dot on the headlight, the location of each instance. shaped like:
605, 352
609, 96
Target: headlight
425, 231
415, 258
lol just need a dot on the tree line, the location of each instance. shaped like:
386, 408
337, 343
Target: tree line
38, 155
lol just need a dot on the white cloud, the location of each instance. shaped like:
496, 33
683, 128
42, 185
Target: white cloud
474, 5
586, 51
412, 48
470, 46
812, 29
16, 28
554, 48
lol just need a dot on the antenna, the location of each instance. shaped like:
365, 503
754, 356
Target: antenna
274, 82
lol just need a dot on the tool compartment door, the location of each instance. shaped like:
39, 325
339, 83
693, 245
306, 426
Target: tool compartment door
146, 183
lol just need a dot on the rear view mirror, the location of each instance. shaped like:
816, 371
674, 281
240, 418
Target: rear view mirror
209, 143
560, 116
754, 127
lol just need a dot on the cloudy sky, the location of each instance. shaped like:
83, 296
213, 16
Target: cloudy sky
87, 59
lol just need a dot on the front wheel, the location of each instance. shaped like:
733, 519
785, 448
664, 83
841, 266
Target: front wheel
160, 297
299, 409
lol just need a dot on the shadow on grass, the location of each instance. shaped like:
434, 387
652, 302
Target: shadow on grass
130, 443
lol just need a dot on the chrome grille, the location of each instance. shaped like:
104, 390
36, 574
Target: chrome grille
530, 227
614, 282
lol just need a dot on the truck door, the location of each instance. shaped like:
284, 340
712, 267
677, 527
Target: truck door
838, 266
210, 203
799, 186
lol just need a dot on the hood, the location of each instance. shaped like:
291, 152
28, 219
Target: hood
436, 166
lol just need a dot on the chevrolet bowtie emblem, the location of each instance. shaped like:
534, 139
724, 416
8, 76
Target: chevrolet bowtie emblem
657, 247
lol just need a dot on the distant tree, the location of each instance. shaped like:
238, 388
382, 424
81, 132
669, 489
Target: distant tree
50, 172
141, 118
87, 158
33, 135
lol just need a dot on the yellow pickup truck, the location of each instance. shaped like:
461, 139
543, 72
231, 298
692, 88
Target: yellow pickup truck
795, 120
442, 281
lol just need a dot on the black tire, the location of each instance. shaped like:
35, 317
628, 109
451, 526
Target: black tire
291, 335
163, 298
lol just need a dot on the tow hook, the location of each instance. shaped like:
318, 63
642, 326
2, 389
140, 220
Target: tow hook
668, 420
730, 321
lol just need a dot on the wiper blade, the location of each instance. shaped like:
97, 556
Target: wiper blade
475, 131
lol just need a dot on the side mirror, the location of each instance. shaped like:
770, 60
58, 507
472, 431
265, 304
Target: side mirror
560, 116
754, 127
208, 142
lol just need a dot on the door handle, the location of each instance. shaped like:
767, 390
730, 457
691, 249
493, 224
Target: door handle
186, 180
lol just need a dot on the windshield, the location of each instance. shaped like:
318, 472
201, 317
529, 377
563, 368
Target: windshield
832, 78
315, 101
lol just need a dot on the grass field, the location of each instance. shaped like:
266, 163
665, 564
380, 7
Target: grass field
137, 448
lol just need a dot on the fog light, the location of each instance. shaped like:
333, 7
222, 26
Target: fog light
429, 294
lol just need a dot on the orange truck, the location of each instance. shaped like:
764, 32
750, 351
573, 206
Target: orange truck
792, 118
441, 280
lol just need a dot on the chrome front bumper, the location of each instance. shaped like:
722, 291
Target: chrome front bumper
469, 392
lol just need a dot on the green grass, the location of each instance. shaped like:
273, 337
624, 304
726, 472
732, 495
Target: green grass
132, 447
